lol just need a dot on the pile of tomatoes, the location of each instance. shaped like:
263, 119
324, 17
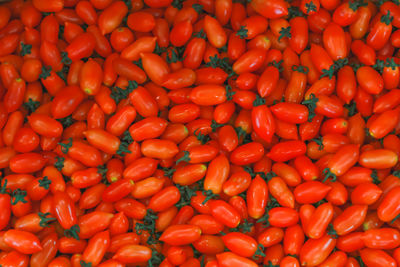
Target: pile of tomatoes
199, 133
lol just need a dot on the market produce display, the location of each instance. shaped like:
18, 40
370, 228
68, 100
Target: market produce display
199, 133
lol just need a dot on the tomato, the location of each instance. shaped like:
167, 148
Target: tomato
5, 203
208, 95
45, 125
141, 21
380, 32
164, 199
96, 248
373, 256
257, 196
346, 84
231, 259
383, 238
27, 162
287, 150
311, 192
319, 221
224, 213
263, 122
299, 34
388, 208
290, 112
215, 33
247, 153
112, 16
320, 58
315, 251
280, 191
270, 9
207, 223
181, 234
251, 60
22, 241
370, 80
268, 81
350, 219
241, 244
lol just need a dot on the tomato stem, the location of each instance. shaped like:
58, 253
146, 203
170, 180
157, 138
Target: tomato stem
327, 172
123, 148
156, 258
311, 104
311, 7
46, 72
67, 146
264, 219
85, 264
319, 142
259, 251
45, 219
396, 173
209, 195
270, 264
242, 32
277, 65
44, 182
3, 189
352, 108
300, 68
186, 195
65, 59
319, 203
203, 138
59, 163
18, 195
285, 32
200, 34
185, 157
168, 172
73, 232
259, 101
387, 19
25, 49
229, 92
332, 232
149, 224
31, 105
375, 178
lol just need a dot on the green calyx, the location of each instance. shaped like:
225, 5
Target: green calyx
17, 196
45, 219
319, 142
73, 232
259, 252
387, 19
328, 174
258, 101
242, 32
311, 7
285, 32
203, 138
311, 105
59, 163
25, 49
65, 147
118, 93
46, 72
300, 68
44, 182
209, 195
31, 105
